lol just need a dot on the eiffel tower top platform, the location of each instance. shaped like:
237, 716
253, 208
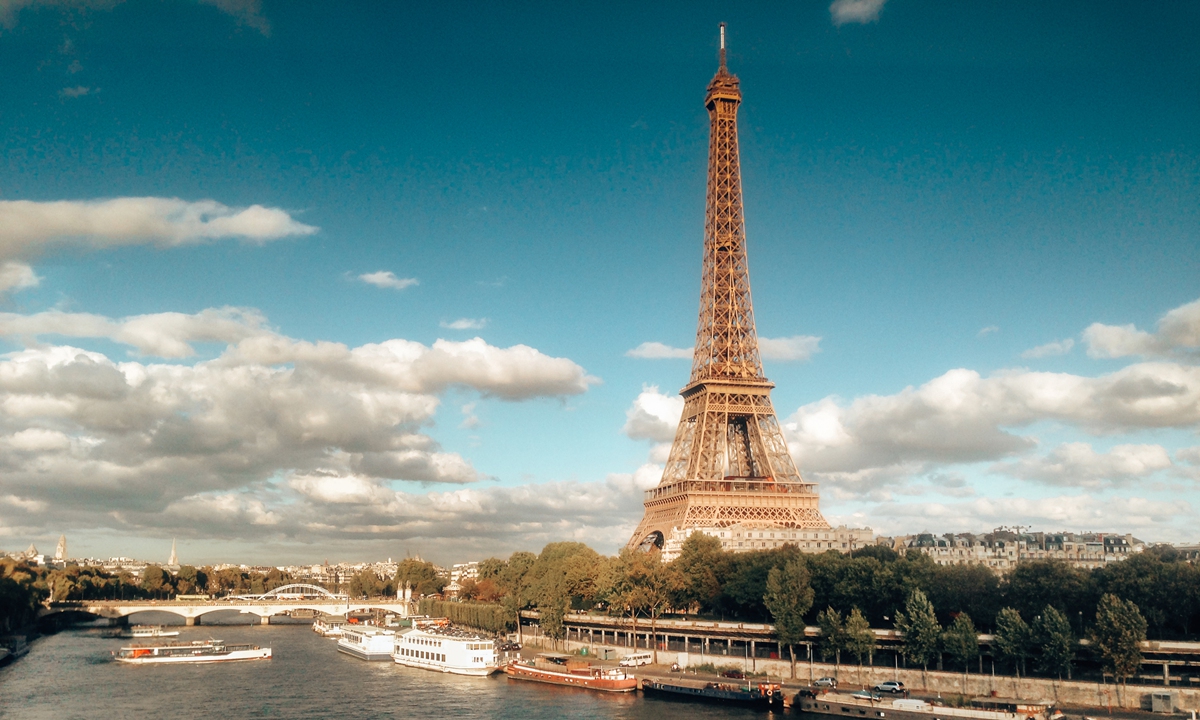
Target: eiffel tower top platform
729, 463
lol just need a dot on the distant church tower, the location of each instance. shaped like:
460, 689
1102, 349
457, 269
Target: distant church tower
174, 560
60, 552
729, 469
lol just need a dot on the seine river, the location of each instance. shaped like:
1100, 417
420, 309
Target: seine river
71, 675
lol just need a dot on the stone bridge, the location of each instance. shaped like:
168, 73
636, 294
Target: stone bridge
276, 602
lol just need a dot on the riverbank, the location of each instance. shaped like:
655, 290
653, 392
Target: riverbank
1074, 695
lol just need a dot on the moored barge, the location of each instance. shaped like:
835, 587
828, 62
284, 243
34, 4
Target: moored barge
763, 695
561, 670
847, 706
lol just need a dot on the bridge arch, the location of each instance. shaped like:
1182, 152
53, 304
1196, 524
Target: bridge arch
293, 591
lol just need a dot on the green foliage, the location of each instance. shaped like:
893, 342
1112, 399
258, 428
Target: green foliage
1013, 639
368, 583
833, 631
859, 640
490, 618
421, 576
1052, 633
1032, 584
699, 564
1118, 634
1162, 584
156, 581
19, 595
921, 630
788, 598
961, 640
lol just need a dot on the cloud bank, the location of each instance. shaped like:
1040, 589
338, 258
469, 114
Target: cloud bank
269, 430
28, 229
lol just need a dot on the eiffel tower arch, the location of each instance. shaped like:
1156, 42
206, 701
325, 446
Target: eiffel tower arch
729, 465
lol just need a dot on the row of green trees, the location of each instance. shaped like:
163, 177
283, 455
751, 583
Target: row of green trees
484, 616
940, 609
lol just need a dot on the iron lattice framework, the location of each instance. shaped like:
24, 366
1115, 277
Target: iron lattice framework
729, 463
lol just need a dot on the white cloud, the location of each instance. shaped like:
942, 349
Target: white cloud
74, 92
658, 351
1077, 464
166, 335
16, 276
1190, 455
653, 416
386, 279
855, 11
1061, 347
27, 227
1178, 335
962, 417
100, 441
1147, 518
465, 324
797, 348
984, 332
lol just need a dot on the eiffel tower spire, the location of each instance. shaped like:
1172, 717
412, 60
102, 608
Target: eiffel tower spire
729, 464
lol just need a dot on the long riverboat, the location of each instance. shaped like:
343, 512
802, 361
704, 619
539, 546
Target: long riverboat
562, 670
763, 695
141, 632
198, 651
988, 708
438, 645
367, 643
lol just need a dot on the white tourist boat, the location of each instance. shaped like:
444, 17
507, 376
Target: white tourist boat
366, 642
142, 632
199, 651
329, 625
436, 645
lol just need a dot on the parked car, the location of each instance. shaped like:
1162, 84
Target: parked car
866, 695
825, 682
734, 674
890, 686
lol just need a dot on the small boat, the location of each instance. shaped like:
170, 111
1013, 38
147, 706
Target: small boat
987, 708
329, 625
198, 651
563, 670
148, 631
763, 695
367, 643
437, 645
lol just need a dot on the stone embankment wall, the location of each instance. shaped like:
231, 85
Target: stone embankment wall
1074, 693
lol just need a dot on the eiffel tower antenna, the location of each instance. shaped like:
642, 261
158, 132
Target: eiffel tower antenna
729, 464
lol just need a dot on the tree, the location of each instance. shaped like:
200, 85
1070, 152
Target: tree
921, 630
859, 640
1052, 633
788, 598
421, 576
155, 580
833, 635
961, 640
1013, 638
1118, 635
700, 560
513, 580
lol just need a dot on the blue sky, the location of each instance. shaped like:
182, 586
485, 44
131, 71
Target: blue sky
933, 190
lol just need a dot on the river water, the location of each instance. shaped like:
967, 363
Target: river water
71, 675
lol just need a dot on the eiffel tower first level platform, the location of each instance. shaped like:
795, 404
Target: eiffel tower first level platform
729, 470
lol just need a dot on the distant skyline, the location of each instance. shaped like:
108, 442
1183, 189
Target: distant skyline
292, 282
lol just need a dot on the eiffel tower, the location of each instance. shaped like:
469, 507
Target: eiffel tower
729, 464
